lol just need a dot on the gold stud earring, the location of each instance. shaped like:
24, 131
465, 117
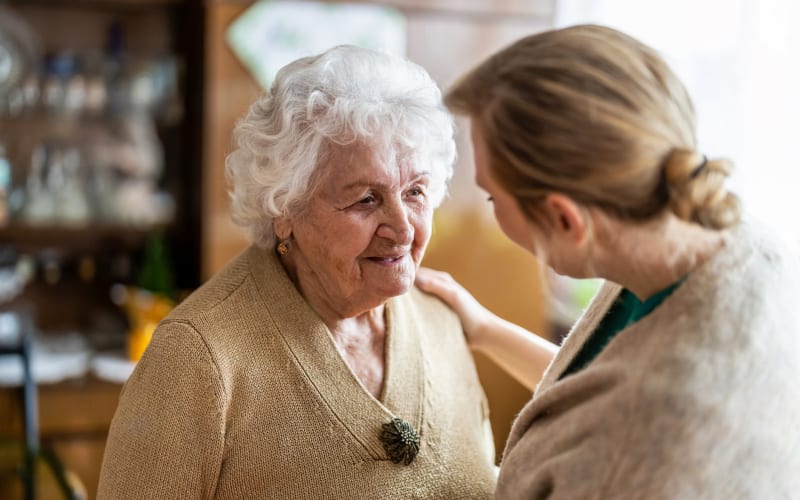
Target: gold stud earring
283, 248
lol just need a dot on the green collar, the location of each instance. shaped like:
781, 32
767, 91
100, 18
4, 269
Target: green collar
626, 310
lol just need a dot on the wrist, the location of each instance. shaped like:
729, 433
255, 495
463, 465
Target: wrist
481, 334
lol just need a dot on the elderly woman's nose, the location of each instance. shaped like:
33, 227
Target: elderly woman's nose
396, 223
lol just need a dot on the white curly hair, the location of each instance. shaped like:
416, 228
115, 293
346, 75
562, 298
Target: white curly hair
345, 96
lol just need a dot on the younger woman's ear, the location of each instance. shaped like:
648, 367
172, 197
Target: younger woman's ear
566, 217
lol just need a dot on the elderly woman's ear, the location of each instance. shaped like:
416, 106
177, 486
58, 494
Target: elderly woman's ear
283, 228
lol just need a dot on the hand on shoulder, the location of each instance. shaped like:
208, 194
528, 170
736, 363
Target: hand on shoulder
474, 317
521, 353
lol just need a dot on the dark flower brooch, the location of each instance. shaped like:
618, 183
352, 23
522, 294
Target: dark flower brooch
400, 441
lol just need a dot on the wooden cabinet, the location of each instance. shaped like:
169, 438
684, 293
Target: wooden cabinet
109, 44
74, 420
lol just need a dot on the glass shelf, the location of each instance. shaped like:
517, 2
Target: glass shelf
26, 238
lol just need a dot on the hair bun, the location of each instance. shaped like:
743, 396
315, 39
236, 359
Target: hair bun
697, 191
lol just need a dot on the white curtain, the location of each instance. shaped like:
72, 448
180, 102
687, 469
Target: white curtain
740, 60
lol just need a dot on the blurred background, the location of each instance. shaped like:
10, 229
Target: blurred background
115, 119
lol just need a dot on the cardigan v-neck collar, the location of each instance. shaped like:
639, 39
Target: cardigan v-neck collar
579, 334
313, 349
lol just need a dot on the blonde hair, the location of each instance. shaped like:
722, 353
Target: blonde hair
592, 113
347, 96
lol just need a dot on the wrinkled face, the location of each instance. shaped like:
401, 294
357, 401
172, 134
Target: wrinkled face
364, 232
506, 209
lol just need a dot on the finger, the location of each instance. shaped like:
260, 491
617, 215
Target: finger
427, 275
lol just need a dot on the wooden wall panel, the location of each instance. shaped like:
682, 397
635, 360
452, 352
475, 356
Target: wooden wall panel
493, 9
229, 91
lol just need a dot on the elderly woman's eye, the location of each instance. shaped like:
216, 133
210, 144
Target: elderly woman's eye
416, 192
367, 200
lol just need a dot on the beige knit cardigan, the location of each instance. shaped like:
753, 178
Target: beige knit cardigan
243, 394
698, 400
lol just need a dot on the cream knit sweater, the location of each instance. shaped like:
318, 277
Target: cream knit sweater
698, 400
243, 394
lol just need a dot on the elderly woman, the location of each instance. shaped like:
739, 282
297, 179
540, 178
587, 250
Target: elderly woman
310, 367
680, 380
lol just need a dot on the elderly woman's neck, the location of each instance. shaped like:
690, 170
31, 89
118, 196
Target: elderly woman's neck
358, 327
647, 258
342, 315
371, 323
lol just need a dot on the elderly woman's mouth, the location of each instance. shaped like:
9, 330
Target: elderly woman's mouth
387, 260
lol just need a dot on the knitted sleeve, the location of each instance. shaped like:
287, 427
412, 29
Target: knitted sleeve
167, 436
